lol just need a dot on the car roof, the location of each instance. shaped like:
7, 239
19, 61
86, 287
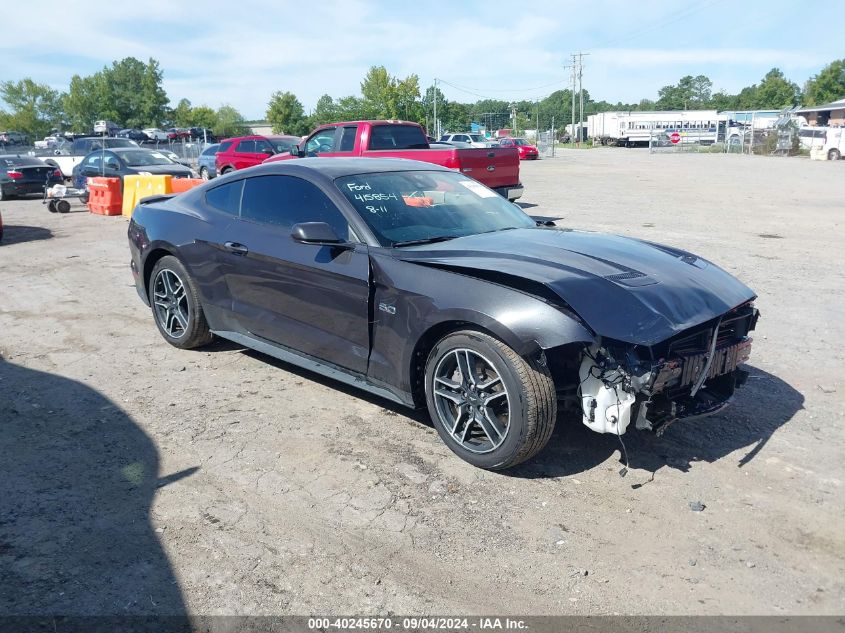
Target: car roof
338, 167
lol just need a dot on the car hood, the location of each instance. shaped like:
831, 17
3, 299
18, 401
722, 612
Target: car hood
625, 289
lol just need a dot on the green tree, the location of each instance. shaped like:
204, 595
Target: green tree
827, 86
35, 108
776, 91
153, 99
326, 111
230, 122
183, 114
203, 116
285, 114
721, 100
689, 93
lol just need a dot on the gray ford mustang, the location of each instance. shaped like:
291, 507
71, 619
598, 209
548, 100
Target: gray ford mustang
423, 286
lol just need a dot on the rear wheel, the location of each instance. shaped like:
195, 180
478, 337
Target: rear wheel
492, 407
834, 154
203, 173
175, 304
226, 170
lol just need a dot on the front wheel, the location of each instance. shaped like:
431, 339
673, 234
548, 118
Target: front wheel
492, 407
175, 304
203, 173
834, 154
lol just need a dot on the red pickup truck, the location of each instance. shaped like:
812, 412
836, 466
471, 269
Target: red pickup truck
498, 168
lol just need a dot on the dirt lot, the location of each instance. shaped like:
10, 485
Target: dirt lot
143, 479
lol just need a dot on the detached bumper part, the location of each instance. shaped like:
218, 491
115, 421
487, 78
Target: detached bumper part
612, 394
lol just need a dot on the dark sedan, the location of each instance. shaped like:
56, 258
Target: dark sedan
22, 175
421, 285
124, 161
135, 135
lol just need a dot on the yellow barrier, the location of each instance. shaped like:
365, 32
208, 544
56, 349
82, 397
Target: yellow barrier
137, 187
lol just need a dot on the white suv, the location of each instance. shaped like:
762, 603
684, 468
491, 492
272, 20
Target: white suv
468, 140
155, 134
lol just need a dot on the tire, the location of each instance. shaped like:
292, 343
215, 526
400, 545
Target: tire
51, 206
204, 173
85, 197
834, 154
3, 195
174, 301
511, 400
226, 170
62, 206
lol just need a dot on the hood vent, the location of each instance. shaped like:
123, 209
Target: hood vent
631, 278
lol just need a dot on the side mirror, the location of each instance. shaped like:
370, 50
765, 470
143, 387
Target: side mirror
315, 233
296, 151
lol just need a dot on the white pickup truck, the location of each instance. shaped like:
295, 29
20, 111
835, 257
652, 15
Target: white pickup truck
70, 155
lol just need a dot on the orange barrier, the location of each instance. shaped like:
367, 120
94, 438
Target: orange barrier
105, 197
179, 185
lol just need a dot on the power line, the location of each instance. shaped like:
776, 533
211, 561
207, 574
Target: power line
666, 20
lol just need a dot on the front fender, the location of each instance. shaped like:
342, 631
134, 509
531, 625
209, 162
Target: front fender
410, 300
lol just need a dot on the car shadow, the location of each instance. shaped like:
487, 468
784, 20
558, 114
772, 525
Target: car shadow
19, 233
759, 408
79, 476
526, 205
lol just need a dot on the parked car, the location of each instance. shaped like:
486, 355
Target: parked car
202, 134
175, 157
498, 168
248, 151
178, 134
139, 136
67, 156
49, 142
124, 161
419, 284
470, 139
13, 138
110, 128
525, 149
206, 162
155, 134
834, 143
1, 226
22, 175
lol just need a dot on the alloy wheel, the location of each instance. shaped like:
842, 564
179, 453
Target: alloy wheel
472, 400
170, 299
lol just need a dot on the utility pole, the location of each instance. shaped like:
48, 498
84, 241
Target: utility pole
436, 132
574, 74
513, 116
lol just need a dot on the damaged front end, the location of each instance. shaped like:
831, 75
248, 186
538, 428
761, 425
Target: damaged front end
691, 374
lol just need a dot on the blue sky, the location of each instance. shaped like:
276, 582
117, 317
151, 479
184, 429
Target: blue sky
240, 53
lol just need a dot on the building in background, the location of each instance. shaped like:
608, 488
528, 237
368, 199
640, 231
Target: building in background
828, 115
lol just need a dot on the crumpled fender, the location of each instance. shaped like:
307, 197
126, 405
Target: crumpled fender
410, 299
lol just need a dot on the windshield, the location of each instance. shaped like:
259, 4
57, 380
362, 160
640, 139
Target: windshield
282, 146
520, 141
141, 157
419, 206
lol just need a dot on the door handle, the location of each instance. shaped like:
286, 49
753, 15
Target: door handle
237, 249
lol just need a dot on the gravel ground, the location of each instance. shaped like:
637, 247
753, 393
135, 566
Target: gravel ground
143, 479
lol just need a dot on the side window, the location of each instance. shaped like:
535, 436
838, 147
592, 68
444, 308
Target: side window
246, 146
262, 145
226, 198
94, 161
322, 141
286, 200
210, 151
224, 147
347, 142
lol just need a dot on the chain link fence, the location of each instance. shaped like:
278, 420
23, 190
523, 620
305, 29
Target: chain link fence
546, 144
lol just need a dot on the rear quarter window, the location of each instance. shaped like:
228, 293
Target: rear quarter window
226, 198
224, 147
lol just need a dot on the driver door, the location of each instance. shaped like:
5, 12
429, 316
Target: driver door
308, 297
321, 142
